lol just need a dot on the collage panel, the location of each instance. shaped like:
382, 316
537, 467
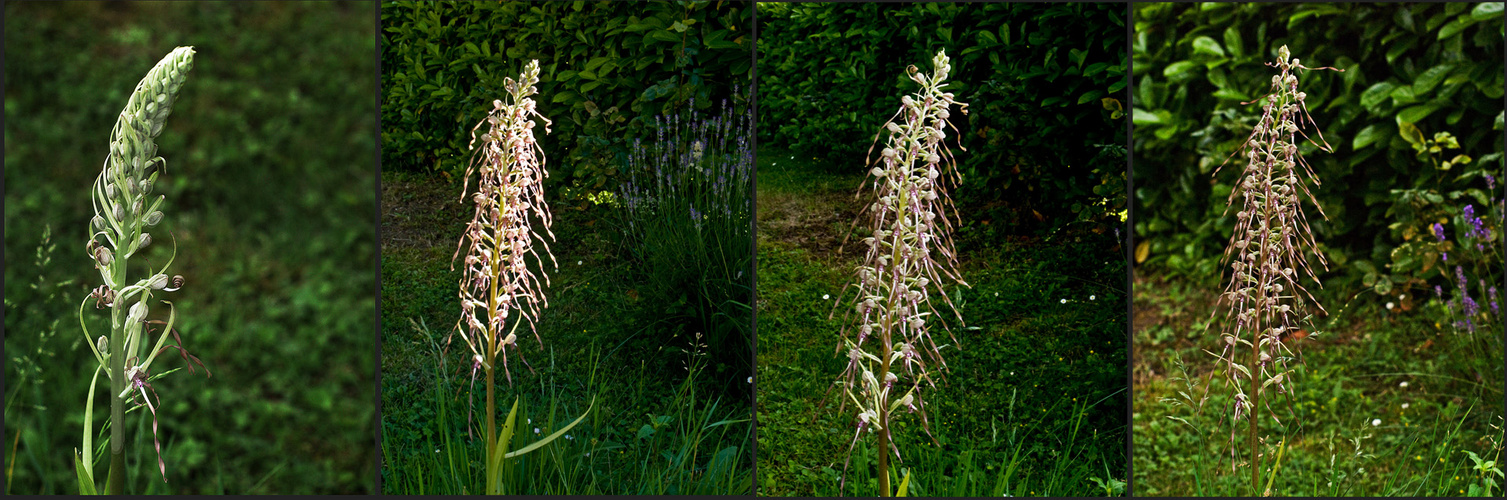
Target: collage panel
721, 247
566, 248
942, 282
190, 247
1318, 222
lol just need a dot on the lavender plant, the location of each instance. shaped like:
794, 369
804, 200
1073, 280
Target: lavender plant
1478, 249
686, 213
124, 211
498, 291
1268, 252
894, 358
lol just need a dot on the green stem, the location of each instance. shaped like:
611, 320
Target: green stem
117, 360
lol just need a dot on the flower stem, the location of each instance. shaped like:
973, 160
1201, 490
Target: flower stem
117, 360
491, 441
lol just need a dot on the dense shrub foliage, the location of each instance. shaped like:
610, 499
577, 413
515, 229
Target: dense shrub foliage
607, 69
1415, 119
1045, 83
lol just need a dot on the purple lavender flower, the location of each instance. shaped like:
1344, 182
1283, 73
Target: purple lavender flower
1438, 291
1491, 182
1492, 293
1460, 276
1439, 231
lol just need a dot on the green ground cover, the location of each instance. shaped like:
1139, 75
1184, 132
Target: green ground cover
1388, 403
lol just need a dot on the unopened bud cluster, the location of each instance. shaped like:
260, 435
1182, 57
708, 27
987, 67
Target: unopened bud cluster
496, 283
894, 354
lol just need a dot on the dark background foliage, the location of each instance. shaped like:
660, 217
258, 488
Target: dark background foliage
1044, 133
606, 70
270, 198
1418, 68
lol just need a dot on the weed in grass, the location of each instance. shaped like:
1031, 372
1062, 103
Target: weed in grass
900, 274
123, 212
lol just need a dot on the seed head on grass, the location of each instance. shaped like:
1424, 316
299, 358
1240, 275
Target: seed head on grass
893, 357
1268, 251
125, 210
496, 283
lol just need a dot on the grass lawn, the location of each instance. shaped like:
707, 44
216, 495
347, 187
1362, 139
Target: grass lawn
1388, 402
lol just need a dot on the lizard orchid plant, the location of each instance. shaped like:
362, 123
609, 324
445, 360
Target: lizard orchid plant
124, 211
1268, 255
894, 358
498, 291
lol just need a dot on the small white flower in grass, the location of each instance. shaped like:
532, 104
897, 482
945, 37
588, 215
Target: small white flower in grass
579, 262
1403, 384
996, 294
1091, 297
826, 297
1402, 297
1375, 422
1064, 301
1405, 406
567, 436
1390, 306
536, 430
750, 380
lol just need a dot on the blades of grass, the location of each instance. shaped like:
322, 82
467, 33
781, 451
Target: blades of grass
904, 483
85, 480
1281, 446
88, 455
10, 470
501, 448
265, 477
536, 445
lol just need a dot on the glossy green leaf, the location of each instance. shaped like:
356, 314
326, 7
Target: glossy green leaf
1206, 45
1233, 42
1370, 135
1427, 80
1179, 69
1487, 11
1415, 113
1456, 26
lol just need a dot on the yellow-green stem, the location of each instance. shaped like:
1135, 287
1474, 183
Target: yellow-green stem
491, 440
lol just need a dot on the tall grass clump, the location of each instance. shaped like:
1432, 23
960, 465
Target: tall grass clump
124, 210
686, 213
1268, 255
894, 358
498, 291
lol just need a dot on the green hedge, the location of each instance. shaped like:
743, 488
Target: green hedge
1045, 86
607, 69
1411, 71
